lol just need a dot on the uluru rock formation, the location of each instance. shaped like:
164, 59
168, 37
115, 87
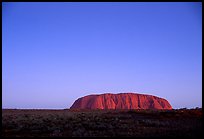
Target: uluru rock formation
121, 101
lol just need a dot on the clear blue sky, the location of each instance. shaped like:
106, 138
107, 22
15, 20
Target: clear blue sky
54, 53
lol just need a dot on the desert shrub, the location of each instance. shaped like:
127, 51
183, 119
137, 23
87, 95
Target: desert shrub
79, 132
56, 133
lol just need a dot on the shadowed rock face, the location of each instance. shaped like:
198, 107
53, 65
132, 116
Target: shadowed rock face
121, 101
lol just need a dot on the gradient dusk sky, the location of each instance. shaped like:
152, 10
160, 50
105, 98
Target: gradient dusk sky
54, 53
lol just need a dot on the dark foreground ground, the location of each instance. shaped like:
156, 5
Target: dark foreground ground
102, 123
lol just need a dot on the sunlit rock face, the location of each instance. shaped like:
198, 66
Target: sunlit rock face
121, 101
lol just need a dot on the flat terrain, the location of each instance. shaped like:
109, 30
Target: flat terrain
102, 123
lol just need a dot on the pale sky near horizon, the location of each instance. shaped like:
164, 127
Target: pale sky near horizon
54, 53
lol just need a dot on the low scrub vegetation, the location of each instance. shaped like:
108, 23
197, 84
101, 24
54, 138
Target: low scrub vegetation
102, 123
